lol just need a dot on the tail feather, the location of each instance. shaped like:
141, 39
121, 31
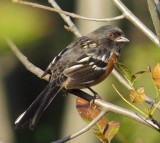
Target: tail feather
32, 115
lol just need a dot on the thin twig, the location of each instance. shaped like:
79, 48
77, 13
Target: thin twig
29, 66
66, 18
129, 87
57, 9
130, 16
154, 16
125, 100
83, 130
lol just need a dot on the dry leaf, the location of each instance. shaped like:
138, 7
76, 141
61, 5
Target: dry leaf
109, 131
156, 75
105, 132
88, 112
137, 96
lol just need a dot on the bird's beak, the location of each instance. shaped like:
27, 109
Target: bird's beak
121, 39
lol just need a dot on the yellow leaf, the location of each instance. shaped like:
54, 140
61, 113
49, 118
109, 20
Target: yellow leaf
156, 75
137, 96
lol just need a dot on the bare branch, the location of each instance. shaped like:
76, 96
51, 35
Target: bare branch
130, 16
154, 16
83, 130
29, 66
109, 107
66, 18
66, 14
130, 114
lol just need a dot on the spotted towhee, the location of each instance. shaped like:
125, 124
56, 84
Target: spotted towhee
85, 62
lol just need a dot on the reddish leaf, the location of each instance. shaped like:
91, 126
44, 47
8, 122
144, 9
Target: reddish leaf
105, 132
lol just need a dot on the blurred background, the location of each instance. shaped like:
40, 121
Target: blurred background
40, 35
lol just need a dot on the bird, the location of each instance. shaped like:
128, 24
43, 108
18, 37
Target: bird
85, 62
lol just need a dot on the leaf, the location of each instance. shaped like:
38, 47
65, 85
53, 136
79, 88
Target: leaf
126, 72
137, 96
105, 132
131, 78
109, 132
88, 111
155, 73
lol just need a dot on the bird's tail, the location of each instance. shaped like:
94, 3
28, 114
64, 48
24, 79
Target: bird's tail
31, 116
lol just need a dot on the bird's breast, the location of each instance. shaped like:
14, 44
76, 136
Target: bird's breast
109, 67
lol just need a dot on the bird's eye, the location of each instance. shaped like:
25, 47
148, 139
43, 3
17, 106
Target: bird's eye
110, 35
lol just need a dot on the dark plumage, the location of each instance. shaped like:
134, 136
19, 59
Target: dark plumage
85, 62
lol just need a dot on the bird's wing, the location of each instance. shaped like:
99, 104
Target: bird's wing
86, 70
81, 42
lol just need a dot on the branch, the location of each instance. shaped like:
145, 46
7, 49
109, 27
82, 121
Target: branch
131, 17
65, 15
66, 18
29, 66
154, 16
109, 107
129, 87
83, 130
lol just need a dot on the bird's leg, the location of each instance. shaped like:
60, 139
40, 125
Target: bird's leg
96, 95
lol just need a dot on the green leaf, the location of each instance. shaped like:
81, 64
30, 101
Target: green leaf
131, 78
126, 73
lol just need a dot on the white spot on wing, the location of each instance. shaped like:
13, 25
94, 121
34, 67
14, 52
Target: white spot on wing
91, 63
84, 59
94, 66
97, 68
20, 117
75, 67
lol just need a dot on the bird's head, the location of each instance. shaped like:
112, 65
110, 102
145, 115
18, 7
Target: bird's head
109, 36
